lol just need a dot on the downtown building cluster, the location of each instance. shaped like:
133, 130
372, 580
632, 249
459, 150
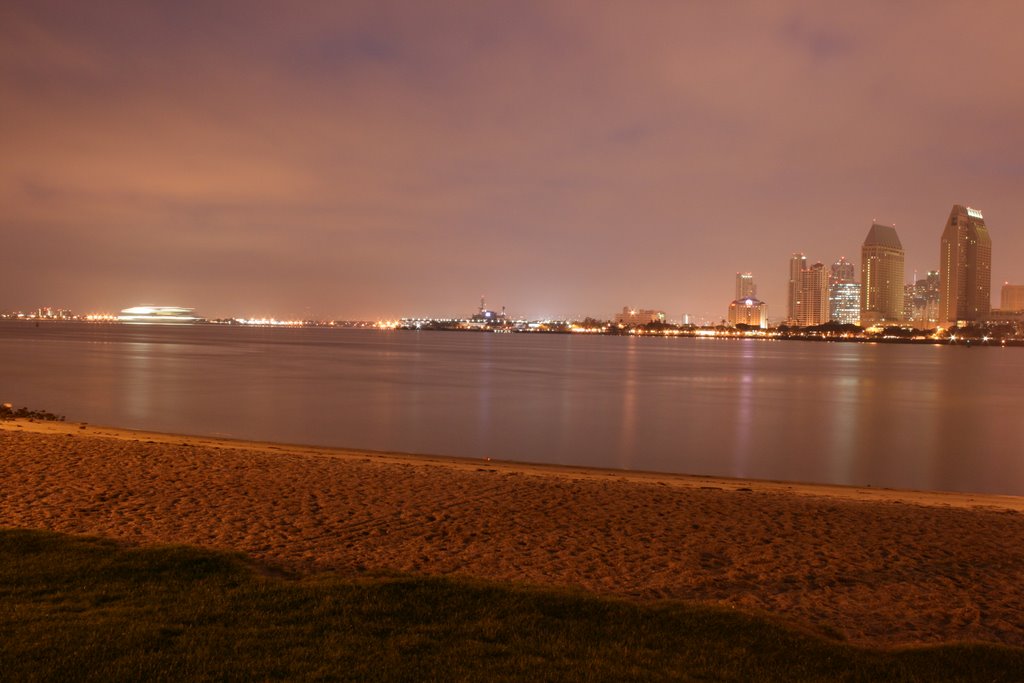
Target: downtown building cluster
957, 294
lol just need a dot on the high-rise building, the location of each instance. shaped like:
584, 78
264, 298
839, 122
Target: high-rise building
910, 301
843, 293
932, 290
844, 303
842, 271
881, 276
812, 307
745, 287
965, 267
1011, 298
921, 301
749, 311
797, 265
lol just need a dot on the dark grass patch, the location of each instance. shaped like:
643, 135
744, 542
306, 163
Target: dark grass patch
8, 412
75, 608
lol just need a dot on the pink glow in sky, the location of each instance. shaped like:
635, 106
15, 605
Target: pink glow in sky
378, 159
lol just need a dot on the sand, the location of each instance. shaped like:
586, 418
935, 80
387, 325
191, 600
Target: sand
876, 567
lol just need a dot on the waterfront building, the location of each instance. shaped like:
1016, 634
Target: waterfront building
1011, 298
797, 265
921, 301
881, 276
813, 306
745, 287
749, 311
844, 303
910, 301
998, 315
638, 316
842, 271
842, 286
931, 289
965, 267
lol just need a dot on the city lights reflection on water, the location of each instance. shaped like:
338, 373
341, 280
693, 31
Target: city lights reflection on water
926, 417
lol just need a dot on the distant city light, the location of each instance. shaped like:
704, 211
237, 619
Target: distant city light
269, 322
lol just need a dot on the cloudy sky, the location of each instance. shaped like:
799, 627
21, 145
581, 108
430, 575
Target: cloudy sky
376, 159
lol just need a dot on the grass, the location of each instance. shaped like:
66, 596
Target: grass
83, 609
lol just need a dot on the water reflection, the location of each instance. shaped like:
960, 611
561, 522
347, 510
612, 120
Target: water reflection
628, 437
844, 436
745, 445
899, 416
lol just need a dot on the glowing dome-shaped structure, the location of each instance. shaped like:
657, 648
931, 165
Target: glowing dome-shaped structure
158, 314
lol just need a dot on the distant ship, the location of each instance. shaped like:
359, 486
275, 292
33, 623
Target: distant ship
158, 314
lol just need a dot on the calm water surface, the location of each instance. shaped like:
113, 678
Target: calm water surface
924, 417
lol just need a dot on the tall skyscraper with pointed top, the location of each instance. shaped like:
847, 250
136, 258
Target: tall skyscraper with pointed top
881, 276
965, 267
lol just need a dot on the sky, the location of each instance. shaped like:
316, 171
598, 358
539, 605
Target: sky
564, 158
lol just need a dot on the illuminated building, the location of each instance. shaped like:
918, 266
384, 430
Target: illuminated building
930, 288
910, 302
638, 316
842, 271
965, 267
745, 287
157, 314
812, 304
881, 276
844, 303
797, 265
921, 301
843, 293
1011, 298
749, 311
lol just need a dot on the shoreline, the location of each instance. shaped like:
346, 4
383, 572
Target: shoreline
968, 342
878, 567
689, 481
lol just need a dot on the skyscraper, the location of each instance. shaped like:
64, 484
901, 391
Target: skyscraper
842, 271
921, 301
812, 308
745, 287
881, 276
965, 267
932, 290
843, 293
797, 265
844, 303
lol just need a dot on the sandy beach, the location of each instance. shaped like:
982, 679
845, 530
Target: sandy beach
878, 567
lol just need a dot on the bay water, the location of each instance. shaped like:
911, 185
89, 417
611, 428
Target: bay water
905, 416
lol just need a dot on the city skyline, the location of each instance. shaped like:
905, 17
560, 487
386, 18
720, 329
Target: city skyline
816, 296
566, 158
